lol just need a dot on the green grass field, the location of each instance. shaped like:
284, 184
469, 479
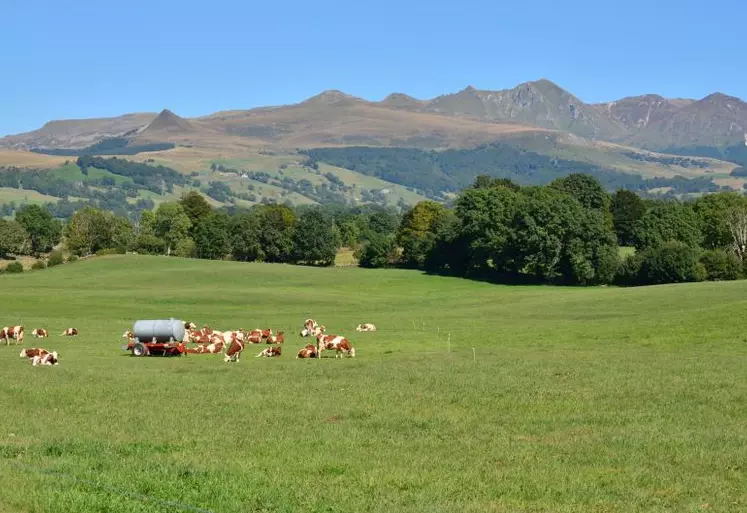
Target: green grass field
541, 399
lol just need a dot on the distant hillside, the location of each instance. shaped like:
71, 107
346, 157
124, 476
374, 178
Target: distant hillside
537, 117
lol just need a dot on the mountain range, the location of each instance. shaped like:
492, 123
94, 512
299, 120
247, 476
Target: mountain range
462, 119
410, 148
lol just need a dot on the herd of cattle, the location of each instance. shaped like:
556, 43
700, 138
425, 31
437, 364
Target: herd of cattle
208, 341
37, 355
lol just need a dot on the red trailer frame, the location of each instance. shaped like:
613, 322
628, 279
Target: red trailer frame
150, 348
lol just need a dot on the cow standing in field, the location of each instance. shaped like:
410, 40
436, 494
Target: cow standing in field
365, 327
307, 352
270, 352
12, 332
40, 333
234, 351
70, 332
335, 343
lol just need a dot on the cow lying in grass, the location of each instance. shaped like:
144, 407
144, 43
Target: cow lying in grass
70, 332
40, 333
258, 336
47, 359
270, 352
365, 327
39, 356
307, 352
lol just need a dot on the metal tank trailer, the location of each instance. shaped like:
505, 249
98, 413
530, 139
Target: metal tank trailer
162, 337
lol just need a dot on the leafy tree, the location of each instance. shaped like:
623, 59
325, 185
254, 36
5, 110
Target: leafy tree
627, 209
485, 216
13, 238
211, 237
554, 238
713, 210
383, 221
171, 224
123, 234
275, 236
737, 223
315, 239
486, 182
195, 206
377, 252
417, 232
245, 244
89, 230
43, 229
671, 262
721, 265
666, 222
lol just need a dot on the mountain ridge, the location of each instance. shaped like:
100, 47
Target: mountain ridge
462, 119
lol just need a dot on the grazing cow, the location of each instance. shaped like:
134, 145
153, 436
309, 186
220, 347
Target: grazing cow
40, 333
12, 332
307, 352
130, 336
33, 351
334, 342
365, 327
270, 352
47, 359
70, 332
234, 351
276, 339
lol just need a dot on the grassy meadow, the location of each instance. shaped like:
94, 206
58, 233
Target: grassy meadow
471, 397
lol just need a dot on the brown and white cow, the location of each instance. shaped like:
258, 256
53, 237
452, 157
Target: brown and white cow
234, 350
276, 339
335, 343
307, 352
270, 352
258, 336
70, 332
47, 359
365, 327
310, 328
190, 326
40, 333
12, 332
33, 351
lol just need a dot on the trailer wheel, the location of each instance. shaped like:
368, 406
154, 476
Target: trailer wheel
139, 349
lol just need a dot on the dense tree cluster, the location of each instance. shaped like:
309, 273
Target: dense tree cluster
111, 146
568, 232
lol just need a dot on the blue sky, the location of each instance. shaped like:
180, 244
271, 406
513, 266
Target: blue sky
90, 58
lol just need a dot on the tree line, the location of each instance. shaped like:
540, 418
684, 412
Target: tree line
568, 232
